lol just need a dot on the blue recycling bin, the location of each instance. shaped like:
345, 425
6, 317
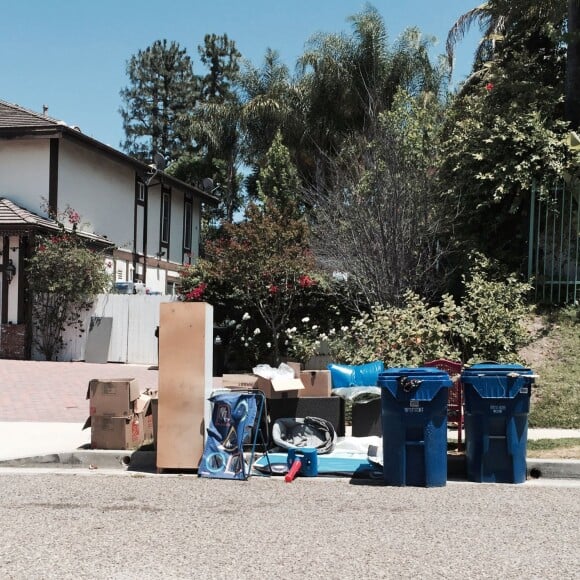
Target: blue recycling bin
414, 421
497, 404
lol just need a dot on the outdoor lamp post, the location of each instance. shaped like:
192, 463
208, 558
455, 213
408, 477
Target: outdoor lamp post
10, 271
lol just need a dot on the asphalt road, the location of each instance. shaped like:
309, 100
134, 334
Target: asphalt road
77, 525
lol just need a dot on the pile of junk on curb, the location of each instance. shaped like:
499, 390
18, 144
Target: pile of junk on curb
396, 426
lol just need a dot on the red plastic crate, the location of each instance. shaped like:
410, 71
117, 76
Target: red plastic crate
455, 414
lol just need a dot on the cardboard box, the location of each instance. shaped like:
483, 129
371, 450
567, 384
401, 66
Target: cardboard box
154, 415
241, 381
114, 431
296, 367
113, 397
278, 388
316, 384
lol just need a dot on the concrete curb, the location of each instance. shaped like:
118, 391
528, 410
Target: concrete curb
145, 461
553, 468
91, 459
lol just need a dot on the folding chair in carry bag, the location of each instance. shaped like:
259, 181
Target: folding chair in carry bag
236, 422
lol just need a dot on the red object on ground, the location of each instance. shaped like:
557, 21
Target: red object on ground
293, 471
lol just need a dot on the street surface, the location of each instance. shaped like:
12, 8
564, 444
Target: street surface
123, 525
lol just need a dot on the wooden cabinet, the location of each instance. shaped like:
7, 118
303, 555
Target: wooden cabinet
185, 382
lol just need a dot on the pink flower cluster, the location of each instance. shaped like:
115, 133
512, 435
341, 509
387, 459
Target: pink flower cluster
305, 281
196, 293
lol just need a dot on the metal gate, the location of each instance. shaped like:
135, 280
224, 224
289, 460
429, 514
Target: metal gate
553, 258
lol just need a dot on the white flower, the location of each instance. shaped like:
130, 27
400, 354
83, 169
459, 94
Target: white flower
306, 319
246, 316
331, 332
344, 328
314, 327
246, 344
269, 344
256, 332
238, 326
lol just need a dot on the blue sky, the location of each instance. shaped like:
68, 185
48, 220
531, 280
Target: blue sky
71, 54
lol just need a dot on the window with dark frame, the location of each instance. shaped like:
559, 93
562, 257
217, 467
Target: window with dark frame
187, 223
141, 190
165, 216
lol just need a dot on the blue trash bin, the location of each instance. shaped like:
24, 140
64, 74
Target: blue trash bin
414, 421
497, 403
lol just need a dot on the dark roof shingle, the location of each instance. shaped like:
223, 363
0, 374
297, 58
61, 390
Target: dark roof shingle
16, 116
18, 120
14, 216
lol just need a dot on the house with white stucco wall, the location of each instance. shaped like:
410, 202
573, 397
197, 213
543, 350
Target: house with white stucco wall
151, 219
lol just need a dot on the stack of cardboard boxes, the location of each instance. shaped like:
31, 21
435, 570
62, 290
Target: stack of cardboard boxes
307, 394
119, 415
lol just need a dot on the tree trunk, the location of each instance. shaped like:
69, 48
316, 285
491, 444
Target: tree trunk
573, 65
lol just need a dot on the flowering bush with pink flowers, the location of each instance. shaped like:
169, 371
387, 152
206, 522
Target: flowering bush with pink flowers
64, 276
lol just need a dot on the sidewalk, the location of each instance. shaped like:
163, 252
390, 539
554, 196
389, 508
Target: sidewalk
43, 408
43, 405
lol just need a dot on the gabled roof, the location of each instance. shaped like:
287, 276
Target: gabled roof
16, 219
15, 116
12, 214
16, 121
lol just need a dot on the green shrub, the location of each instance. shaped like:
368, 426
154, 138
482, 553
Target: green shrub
487, 325
399, 336
490, 326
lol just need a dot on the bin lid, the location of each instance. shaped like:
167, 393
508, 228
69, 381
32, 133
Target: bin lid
497, 380
495, 369
416, 383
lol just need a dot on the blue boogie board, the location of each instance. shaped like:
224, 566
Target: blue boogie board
331, 464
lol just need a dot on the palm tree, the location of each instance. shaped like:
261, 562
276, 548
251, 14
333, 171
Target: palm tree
496, 18
348, 80
268, 98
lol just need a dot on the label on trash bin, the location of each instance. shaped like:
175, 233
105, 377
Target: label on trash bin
497, 409
414, 407
524, 391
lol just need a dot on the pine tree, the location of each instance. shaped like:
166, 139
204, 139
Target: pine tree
158, 101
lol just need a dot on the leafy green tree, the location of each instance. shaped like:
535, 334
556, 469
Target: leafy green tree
215, 128
573, 65
65, 276
221, 59
261, 265
269, 104
381, 225
278, 181
158, 101
499, 19
504, 133
347, 81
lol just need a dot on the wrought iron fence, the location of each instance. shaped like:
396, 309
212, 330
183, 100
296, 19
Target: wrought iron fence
554, 238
